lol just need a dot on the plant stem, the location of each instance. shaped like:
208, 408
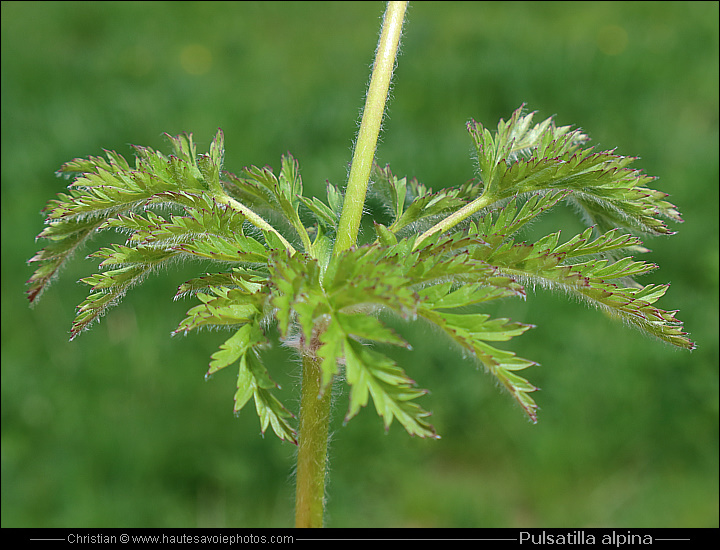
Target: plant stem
370, 126
315, 405
312, 445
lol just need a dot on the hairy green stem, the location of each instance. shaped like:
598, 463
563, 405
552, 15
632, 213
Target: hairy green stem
312, 446
314, 404
366, 142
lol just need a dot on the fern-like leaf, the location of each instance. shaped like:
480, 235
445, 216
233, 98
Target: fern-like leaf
473, 331
66, 237
547, 263
521, 159
107, 188
253, 379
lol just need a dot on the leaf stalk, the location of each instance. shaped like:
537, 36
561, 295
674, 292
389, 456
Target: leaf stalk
253, 218
456, 217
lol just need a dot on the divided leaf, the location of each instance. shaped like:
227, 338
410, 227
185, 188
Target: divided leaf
229, 307
520, 159
253, 379
548, 263
473, 331
370, 372
111, 188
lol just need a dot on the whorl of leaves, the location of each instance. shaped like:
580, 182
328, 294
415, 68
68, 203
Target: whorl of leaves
256, 227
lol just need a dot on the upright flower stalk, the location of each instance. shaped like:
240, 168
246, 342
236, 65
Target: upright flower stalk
370, 126
315, 404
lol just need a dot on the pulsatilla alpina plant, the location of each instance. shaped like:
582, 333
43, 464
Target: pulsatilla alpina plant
287, 260
440, 252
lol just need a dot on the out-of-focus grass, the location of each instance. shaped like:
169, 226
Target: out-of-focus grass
117, 428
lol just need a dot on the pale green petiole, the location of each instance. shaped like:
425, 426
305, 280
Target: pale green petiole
456, 217
253, 218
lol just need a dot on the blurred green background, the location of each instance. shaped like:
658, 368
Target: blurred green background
119, 429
